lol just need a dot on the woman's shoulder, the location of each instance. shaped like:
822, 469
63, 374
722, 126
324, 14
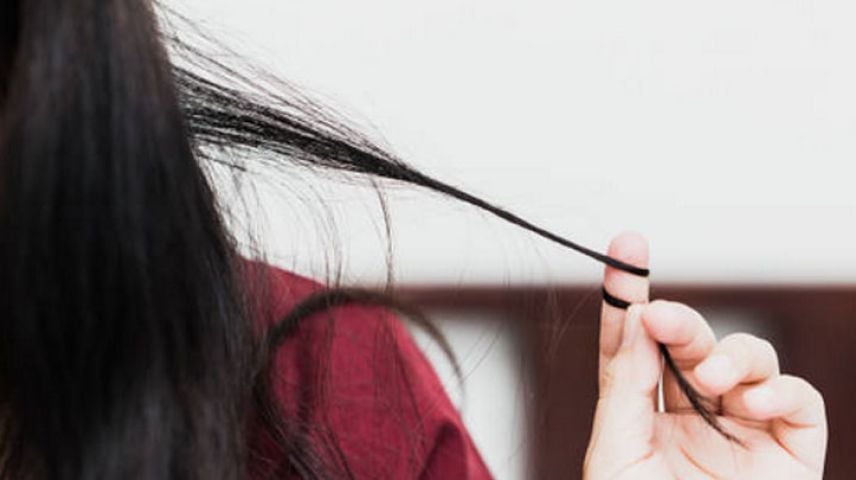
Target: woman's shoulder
357, 383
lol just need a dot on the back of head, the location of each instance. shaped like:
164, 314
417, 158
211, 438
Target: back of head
123, 344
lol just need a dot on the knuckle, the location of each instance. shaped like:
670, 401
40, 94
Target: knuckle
751, 349
659, 303
695, 321
812, 394
705, 335
739, 339
737, 345
768, 351
658, 308
693, 325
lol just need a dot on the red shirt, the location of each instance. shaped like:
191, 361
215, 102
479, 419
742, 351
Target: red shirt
354, 374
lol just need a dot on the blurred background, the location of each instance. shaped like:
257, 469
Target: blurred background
724, 131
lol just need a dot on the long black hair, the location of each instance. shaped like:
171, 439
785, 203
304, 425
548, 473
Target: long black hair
126, 346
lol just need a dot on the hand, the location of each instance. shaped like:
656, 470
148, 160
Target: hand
779, 419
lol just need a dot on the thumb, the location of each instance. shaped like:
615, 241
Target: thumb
624, 418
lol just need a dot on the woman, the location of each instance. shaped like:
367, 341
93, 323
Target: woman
136, 342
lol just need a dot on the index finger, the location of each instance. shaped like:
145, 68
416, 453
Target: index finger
631, 248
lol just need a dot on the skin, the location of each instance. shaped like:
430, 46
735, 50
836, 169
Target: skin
780, 419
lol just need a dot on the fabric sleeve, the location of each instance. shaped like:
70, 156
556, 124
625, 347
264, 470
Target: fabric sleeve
367, 398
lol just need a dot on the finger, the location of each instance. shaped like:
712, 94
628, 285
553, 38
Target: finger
631, 248
738, 358
689, 339
795, 410
624, 418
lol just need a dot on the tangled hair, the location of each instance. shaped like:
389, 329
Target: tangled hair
126, 346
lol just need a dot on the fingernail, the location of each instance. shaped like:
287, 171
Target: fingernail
759, 398
716, 371
632, 325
